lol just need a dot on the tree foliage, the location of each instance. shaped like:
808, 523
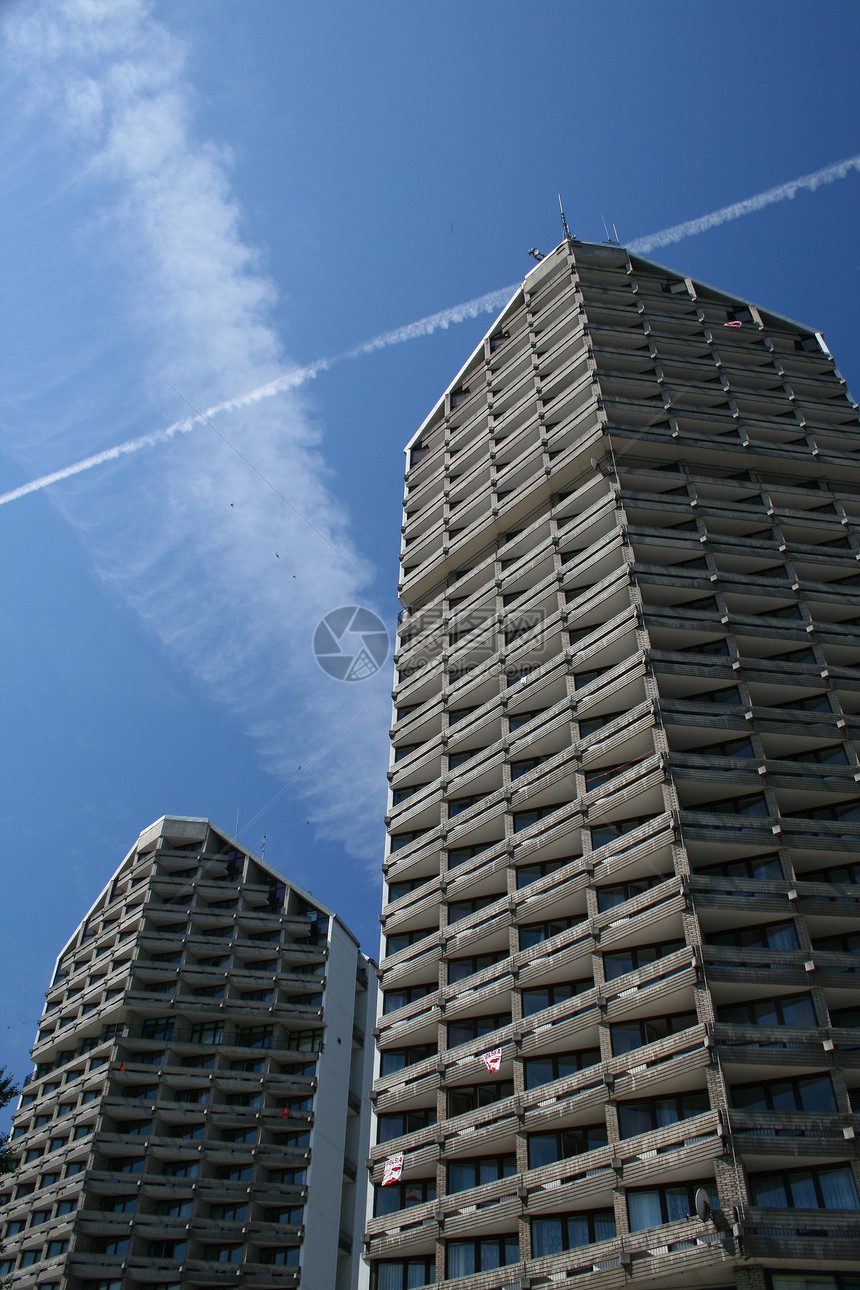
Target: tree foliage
8, 1090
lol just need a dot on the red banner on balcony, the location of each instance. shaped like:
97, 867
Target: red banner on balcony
493, 1059
392, 1169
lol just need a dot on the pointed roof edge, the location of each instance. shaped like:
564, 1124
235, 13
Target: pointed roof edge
543, 265
156, 830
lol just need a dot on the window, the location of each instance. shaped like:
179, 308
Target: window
569, 1231
463, 1174
760, 868
459, 969
804, 1093
611, 831
649, 1207
186, 1130
16, 1226
233, 1213
288, 1177
237, 1135
207, 1032
627, 1035
843, 943
111, 1245
39, 1216
180, 1169
29, 1257
545, 996
524, 765
75, 1167
637, 956
471, 1097
529, 873
126, 1165
157, 1028
388, 1200
134, 1126
525, 819
166, 1249
609, 897
642, 1117
591, 725
547, 1148
404, 1274
480, 1256
394, 1126
397, 1059
173, 1208
222, 1253
752, 804
394, 999
463, 1032
812, 1281
773, 936
279, 1256
533, 933
67, 1207
792, 1010
234, 1173
56, 1248
310, 1041
244, 1099
552, 1066
828, 1187
459, 855
148, 1092
118, 1204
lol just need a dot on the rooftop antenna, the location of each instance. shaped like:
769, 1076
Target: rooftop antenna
564, 227
617, 238
263, 851
605, 229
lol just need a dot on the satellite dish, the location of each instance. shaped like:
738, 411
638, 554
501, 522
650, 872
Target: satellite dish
703, 1205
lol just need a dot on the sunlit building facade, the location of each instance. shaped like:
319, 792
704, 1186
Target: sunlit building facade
197, 1114
619, 1032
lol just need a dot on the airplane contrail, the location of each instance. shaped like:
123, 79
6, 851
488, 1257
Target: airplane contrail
839, 169
488, 303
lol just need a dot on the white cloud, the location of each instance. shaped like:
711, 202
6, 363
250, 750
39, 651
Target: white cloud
204, 552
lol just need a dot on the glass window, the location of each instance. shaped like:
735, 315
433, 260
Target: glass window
652, 1206
552, 1066
465, 1257
547, 1148
828, 1187
569, 1231
463, 1174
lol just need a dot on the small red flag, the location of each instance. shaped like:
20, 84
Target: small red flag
734, 323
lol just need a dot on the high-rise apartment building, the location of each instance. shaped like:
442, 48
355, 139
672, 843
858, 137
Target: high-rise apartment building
618, 1041
197, 1113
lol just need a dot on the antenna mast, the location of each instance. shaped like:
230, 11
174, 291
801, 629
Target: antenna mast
564, 227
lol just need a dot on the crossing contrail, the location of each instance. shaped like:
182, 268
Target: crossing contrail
839, 169
489, 303
492, 301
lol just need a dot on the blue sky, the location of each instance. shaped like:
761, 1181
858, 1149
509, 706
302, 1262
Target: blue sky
210, 195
